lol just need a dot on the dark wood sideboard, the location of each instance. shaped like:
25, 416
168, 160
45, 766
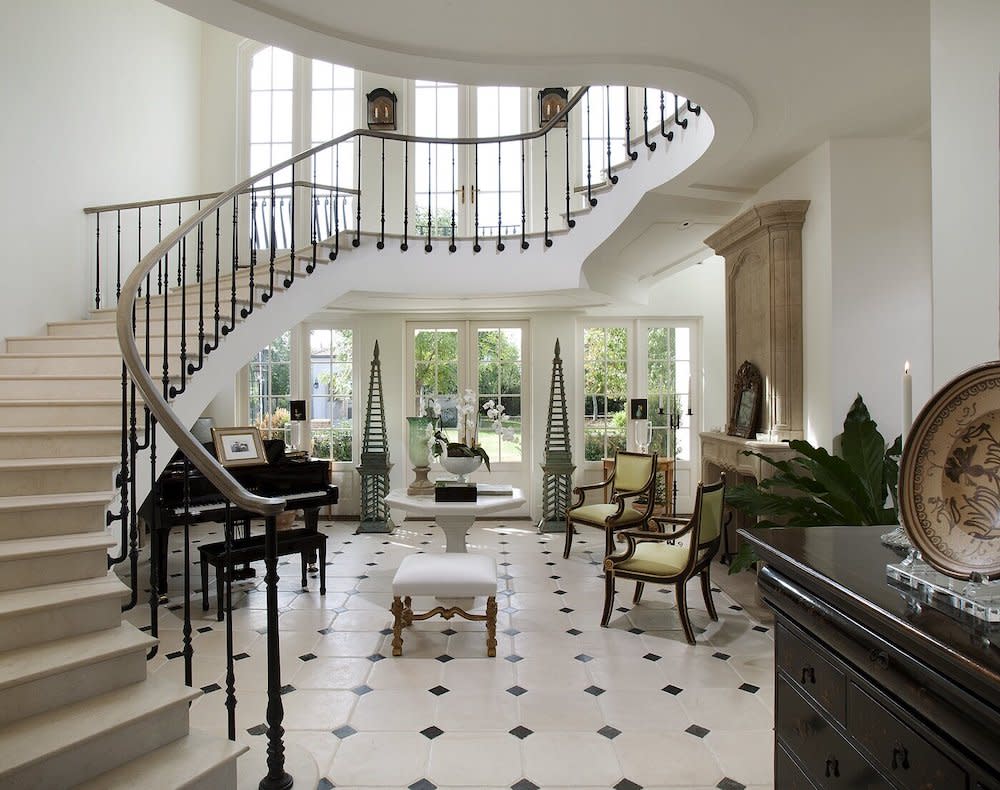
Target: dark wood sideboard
874, 686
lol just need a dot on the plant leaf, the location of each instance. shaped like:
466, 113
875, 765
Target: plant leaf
863, 448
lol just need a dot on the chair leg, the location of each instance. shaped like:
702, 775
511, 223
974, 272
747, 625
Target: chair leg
639, 586
569, 538
682, 610
491, 626
204, 582
304, 562
322, 568
609, 597
609, 541
397, 626
706, 590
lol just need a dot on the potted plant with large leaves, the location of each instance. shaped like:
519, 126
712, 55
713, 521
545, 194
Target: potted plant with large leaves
855, 486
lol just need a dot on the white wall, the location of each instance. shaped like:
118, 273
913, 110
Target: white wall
100, 105
881, 276
965, 62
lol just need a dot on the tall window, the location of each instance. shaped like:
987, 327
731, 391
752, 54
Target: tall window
271, 108
270, 388
668, 375
333, 111
331, 366
498, 187
500, 381
605, 388
435, 173
435, 356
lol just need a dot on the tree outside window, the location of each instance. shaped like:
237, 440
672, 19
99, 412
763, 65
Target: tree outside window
605, 387
270, 389
500, 381
331, 366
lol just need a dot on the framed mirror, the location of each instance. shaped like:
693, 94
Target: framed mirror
747, 395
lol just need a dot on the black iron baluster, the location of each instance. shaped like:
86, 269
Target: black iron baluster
427, 245
159, 238
265, 297
199, 271
663, 121
186, 630
234, 267
118, 275
147, 415
218, 273
452, 247
607, 116
133, 521
695, 108
175, 391
245, 311
381, 234
277, 778
500, 244
97, 263
290, 279
404, 246
633, 155
121, 479
681, 122
472, 194
313, 222
166, 339
138, 246
645, 121
155, 535
570, 222
281, 221
230, 663
178, 260
357, 200
524, 241
336, 214
545, 168
590, 198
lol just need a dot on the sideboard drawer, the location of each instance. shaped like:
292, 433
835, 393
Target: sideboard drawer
810, 671
828, 759
903, 754
787, 774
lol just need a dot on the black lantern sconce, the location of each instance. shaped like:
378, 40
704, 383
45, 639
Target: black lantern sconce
551, 102
382, 110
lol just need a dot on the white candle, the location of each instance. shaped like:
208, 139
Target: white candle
907, 400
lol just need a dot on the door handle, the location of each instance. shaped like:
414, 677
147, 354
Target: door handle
461, 191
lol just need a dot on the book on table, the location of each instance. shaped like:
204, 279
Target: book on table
493, 489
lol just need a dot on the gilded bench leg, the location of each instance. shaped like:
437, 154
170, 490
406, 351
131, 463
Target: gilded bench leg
397, 626
407, 611
491, 626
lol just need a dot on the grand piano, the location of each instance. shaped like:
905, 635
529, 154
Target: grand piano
303, 482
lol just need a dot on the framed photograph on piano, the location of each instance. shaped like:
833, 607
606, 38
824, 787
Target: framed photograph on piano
238, 446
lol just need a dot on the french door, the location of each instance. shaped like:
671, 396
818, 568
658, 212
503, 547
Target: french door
468, 186
490, 359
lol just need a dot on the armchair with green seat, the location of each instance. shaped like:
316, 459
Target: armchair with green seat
657, 557
633, 476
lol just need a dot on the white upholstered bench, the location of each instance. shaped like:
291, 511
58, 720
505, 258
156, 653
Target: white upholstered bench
444, 576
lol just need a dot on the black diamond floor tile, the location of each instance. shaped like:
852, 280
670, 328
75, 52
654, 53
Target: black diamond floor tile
760, 629
432, 732
671, 689
363, 689
437, 691
521, 732
595, 690
583, 657
449, 632
574, 631
210, 688
514, 658
445, 658
375, 657
325, 784
627, 784
344, 732
730, 784
422, 784
721, 656
566, 610
697, 731
750, 688
609, 732
288, 688
636, 631
652, 657
258, 729
511, 631
524, 784
517, 691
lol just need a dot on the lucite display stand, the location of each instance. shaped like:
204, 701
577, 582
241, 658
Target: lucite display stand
980, 600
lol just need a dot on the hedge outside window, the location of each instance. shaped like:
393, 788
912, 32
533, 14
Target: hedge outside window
500, 382
331, 375
605, 388
668, 372
270, 389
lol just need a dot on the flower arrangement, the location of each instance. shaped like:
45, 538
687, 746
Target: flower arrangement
468, 428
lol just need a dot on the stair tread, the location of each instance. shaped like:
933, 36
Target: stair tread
61, 377
43, 501
26, 741
26, 664
15, 602
61, 401
174, 765
62, 430
25, 548
8, 464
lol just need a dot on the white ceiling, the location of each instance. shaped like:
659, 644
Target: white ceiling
778, 77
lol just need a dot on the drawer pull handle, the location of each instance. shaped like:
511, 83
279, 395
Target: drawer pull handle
879, 657
808, 675
832, 768
900, 757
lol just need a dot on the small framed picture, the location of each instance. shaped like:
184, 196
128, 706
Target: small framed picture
638, 409
297, 410
238, 446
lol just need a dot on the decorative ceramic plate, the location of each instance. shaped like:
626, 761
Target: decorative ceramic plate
949, 477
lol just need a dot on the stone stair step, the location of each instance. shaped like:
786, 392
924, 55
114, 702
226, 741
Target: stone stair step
198, 761
40, 677
32, 562
39, 385
75, 743
65, 441
96, 411
43, 515
105, 325
70, 364
26, 476
40, 614
99, 344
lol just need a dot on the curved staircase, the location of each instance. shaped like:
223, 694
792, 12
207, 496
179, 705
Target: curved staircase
76, 705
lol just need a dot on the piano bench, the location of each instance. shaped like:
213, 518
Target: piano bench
290, 541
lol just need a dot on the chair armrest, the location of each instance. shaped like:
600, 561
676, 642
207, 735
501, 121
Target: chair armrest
688, 525
645, 534
594, 486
